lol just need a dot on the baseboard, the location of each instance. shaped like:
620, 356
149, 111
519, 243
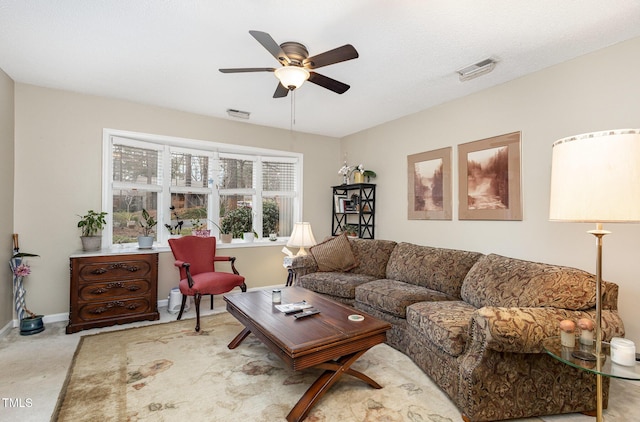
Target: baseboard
5, 330
62, 317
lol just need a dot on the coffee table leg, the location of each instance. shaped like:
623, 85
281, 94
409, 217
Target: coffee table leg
334, 371
236, 341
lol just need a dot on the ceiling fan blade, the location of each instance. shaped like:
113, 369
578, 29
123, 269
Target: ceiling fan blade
337, 55
326, 82
272, 47
248, 69
281, 91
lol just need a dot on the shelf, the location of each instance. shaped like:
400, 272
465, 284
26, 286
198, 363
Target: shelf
607, 368
354, 205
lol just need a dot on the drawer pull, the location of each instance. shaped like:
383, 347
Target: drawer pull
130, 268
127, 267
114, 285
99, 291
133, 306
110, 305
133, 288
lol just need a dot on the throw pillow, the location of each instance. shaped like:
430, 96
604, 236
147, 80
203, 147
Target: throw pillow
334, 254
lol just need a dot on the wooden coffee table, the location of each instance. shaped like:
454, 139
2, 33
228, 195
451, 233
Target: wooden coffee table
328, 340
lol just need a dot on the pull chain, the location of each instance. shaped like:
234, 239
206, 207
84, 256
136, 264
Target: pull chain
293, 109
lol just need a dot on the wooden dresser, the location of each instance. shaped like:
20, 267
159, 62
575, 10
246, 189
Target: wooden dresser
114, 288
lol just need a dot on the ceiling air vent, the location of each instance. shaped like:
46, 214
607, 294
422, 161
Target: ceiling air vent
239, 114
477, 69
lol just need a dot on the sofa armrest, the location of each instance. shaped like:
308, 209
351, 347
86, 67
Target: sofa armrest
522, 330
302, 265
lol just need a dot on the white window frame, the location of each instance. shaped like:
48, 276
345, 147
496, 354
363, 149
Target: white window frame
215, 150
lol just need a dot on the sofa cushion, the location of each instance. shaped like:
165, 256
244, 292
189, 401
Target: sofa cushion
337, 284
435, 268
372, 256
393, 296
334, 254
508, 282
444, 324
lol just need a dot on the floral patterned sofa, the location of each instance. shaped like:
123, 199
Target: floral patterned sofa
474, 323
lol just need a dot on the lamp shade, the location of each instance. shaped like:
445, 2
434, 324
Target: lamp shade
301, 237
595, 177
292, 77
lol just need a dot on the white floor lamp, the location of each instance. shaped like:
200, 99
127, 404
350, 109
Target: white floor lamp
595, 178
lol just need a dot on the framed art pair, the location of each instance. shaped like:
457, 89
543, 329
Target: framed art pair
489, 181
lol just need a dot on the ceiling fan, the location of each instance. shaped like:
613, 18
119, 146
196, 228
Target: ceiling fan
295, 61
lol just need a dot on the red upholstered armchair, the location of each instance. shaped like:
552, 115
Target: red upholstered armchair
196, 258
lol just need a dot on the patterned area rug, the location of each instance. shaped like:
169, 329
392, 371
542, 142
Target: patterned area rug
167, 372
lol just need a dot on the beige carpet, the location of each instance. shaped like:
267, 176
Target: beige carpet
167, 372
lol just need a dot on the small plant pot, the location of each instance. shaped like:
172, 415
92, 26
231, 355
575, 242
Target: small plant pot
145, 242
91, 243
202, 233
31, 325
226, 238
248, 237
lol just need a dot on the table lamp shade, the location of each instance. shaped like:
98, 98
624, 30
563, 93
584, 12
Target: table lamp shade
301, 237
595, 177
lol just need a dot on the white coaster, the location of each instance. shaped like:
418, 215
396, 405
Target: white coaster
356, 318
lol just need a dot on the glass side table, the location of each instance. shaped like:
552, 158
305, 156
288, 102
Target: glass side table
605, 368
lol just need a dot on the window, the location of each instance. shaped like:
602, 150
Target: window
189, 184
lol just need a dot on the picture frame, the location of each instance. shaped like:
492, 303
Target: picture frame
429, 185
489, 179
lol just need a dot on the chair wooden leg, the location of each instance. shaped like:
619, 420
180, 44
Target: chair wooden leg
243, 287
212, 302
196, 299
184, 302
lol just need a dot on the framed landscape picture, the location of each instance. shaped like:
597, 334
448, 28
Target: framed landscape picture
429, 177
489, 179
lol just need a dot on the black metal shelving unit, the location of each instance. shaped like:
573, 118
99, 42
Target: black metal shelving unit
355, 205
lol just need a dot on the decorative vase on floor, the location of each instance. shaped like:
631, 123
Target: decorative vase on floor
31, 325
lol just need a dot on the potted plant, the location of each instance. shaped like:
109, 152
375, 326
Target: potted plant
146, 240
175, 231
369, 174
90, 224
351, 230
30, 323
199, 228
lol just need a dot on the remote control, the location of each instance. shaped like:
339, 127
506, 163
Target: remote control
306, 313
293, 311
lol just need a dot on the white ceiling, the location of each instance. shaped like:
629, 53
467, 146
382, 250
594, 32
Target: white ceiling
168, 53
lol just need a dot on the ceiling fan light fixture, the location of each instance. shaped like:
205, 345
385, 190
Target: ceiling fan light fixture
292, 77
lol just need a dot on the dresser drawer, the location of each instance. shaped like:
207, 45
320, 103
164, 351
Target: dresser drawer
118, 270
113, 308
113, 289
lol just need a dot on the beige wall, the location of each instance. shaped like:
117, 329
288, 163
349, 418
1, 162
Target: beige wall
595, 92
6, 193
58, 176
58, 158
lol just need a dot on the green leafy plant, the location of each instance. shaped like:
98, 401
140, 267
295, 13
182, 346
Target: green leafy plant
369, 174
149, 223
237, 222
177, 229
350, 229
92, 222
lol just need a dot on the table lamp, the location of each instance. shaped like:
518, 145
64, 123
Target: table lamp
301, 237
595, 178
